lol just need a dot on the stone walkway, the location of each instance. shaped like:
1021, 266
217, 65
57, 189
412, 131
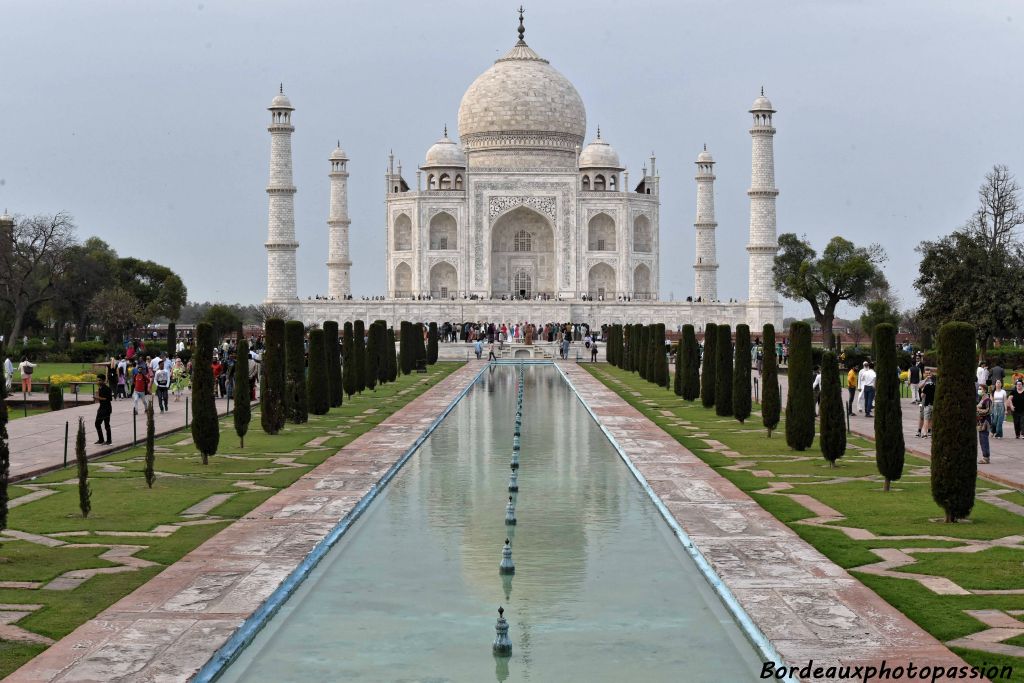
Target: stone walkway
809, 607
168, 628
37, 441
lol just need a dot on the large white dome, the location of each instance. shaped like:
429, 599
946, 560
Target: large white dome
522, 102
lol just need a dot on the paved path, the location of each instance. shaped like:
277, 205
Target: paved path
168, 628
37, 441
809, 607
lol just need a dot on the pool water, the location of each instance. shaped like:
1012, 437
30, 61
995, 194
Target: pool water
603, 591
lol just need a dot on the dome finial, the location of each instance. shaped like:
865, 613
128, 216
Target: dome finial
280, 88
762, 91
446, 130
522, 28
705, 146
599, 132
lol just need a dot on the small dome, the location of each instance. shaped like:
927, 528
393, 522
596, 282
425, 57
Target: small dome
338, 154
705, 157
599, 154
280, 101
762, 103
445, 152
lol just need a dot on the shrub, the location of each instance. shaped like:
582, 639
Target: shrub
691, 364
349, 367
318, 397
771, 399
432, 344
383, 362
406, 354
954, 434
832, 439
392, 356
359, 354
55, 397
272, 367
800, 400
84, 491
372, 357
335, 388
708, 360
723, 371
889, 445
243, 405
418, 344
205, 427
661, 359
295, 407
741, 374
681, 363
150, 467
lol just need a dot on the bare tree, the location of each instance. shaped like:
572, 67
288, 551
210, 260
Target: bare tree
32, 258
999, 213
266, 311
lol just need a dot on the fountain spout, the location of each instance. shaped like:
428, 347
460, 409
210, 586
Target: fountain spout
502, 643
510, 512
506, 566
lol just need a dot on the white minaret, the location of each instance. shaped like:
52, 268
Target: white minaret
705, 270
764, 244
338, 263
281, 243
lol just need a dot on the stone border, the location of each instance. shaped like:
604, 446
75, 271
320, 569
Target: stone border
806, 605
169, 628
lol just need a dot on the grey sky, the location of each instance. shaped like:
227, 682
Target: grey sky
147, 120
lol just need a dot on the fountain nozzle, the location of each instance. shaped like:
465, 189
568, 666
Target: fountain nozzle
502, 643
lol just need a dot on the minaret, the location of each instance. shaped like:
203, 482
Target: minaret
338, 263
281, 243
705, 270
763, 244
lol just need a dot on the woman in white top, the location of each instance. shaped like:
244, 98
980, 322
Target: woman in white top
25, 367
998, 409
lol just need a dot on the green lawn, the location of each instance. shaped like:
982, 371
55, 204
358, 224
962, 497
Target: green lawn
122, 503
43, 370
908, 510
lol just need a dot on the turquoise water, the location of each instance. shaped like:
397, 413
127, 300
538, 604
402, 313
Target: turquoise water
602, 591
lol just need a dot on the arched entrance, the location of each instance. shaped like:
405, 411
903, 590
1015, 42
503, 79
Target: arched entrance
522, 255
403, 280
444, 280
642, 283
601, 282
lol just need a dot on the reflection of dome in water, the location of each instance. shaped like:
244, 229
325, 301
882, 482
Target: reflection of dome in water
562, 498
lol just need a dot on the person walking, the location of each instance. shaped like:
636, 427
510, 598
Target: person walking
924, 422
490, 352
104, 396
140, 385
478, 348
816, 387
1015, 404
983, 412
869, 389
162, 379
851, 388
565, 347
914, 379
8, 373
860, 387
981, 373
998, 409
25, 367
593, 352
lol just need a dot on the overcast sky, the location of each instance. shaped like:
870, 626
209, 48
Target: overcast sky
147, 120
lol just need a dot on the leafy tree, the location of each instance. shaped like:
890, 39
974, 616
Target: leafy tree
5, 451
332, 347
117, 310
723, 371
741, 374
432, 344
771, 400
372, 357
33, 259
295, 407
392, 356
800, 400
87, 271
954, 435
832, 439
348, 352
264, 312
222, 319
157, 287
844, 272
691, 364
243, 393
709, 359
205, 426
150, 468
889, 445
84, 490
319, 392
272, 364
877, 311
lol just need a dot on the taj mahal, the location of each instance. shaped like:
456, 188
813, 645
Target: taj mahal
516, 219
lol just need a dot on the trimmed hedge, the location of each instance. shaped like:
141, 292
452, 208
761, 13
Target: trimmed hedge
800, 400
317, 385
741, 374
295, 407
432, 344
243, 407
954, 431
771, 398
723, 371
332, 347
349, 367
889, 445
272, 377
205, 427
707, 366
833, 412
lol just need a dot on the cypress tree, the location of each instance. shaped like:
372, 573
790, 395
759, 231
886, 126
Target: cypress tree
332, 347
771, 400
295, 406
380, 327
317, 389
392, 356
150, 469
372, 357
708, 360
84, 491
832, 439
272, 372
625, 362
619, 345
954, 431
205, 426
691, 364
889, 445
800, 399
432, 344
677, 380
243, 403
643, 362
5, 450
359, 354
662, 359
652, 353
723, 371
349, 374
407, 355
741, 374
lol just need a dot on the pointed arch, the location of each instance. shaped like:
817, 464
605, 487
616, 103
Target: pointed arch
642, 282
403, 280
601, 281
444, 280
601, 233
643, 236
443, 231
402, 233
